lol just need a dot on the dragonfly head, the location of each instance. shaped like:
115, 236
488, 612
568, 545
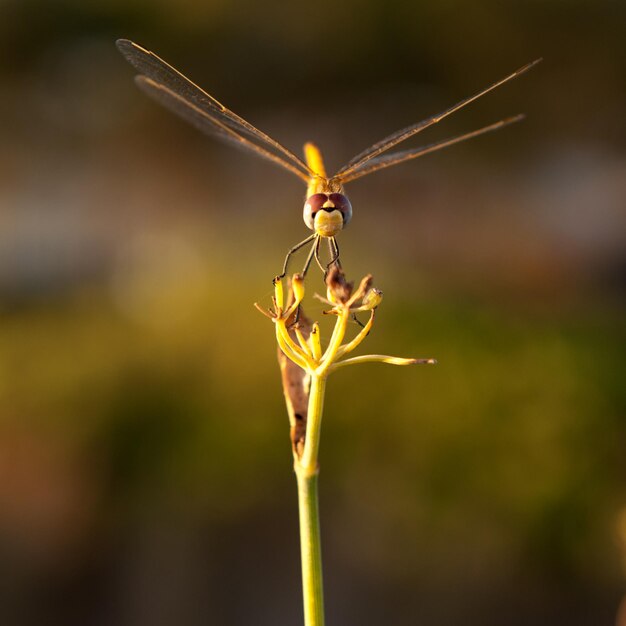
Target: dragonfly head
327, 213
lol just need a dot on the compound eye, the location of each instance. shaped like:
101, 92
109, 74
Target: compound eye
313, 204
342, 203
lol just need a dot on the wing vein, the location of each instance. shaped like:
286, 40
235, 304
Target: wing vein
207, 123
402, 135
406, 155
161, 73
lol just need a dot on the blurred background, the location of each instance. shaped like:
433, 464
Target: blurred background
145, 464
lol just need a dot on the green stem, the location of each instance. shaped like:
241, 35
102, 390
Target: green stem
311, 551
308, 461
310, 540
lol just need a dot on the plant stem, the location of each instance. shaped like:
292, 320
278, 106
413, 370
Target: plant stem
311, 551
306, 469
308, 460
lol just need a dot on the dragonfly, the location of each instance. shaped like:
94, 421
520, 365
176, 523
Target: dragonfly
327, 209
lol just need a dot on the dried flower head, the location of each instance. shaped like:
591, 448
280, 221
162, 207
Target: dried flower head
344, 301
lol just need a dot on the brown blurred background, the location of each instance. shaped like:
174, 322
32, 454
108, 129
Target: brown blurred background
145, 468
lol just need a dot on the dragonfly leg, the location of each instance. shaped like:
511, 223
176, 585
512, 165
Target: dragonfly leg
305, 269
334, 257
291, 251
357, 320
317, 258
333, 246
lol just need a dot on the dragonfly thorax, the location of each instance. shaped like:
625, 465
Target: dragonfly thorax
327, 213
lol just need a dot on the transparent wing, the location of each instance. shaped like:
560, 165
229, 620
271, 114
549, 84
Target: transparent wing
169, 87
388, 160
402, 135
209, 124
